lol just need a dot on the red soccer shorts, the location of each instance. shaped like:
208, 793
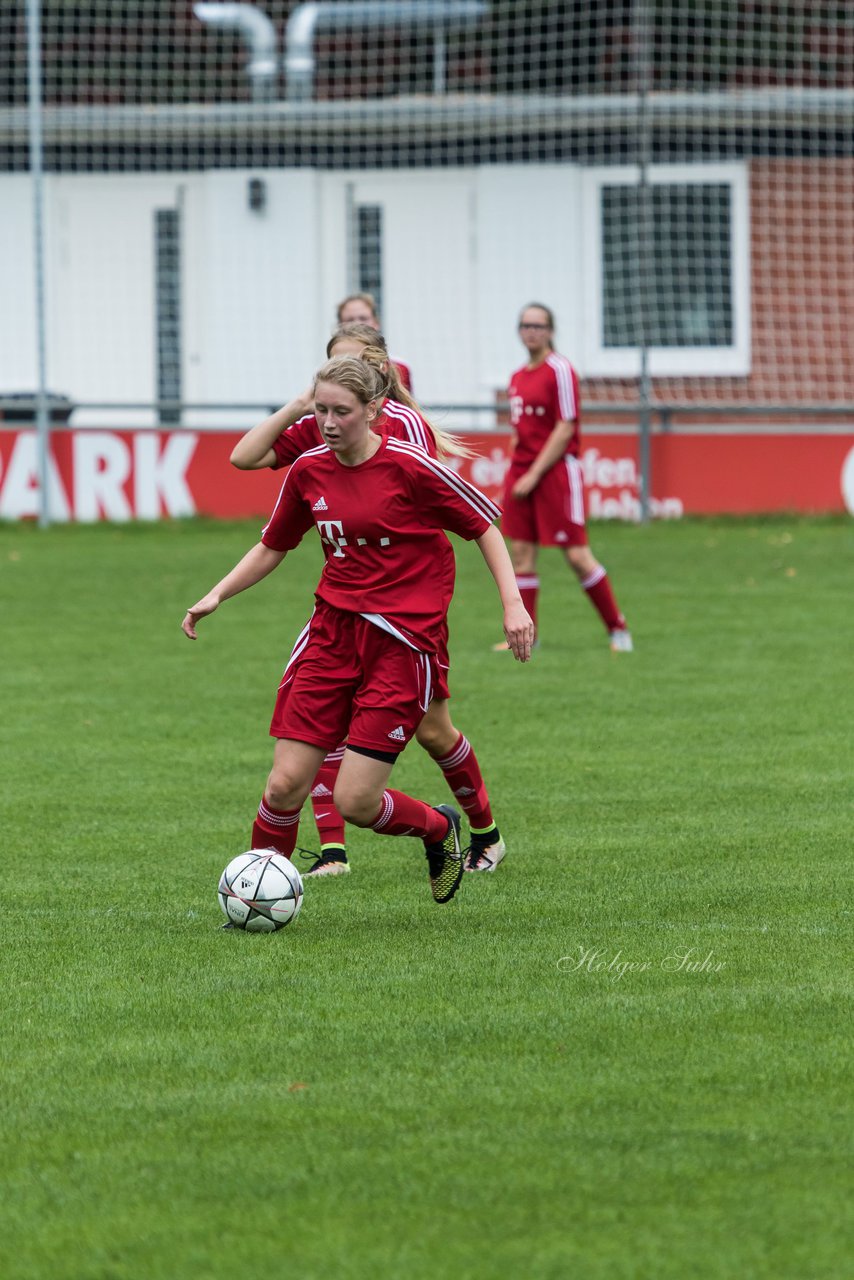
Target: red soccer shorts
347, 678
551, 516
443, 662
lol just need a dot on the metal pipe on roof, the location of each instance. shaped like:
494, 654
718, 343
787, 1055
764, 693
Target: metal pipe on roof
307, 19
260, 36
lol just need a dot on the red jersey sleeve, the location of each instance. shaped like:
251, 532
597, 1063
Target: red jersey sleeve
291, 518
402, 423
294, 442
443, 498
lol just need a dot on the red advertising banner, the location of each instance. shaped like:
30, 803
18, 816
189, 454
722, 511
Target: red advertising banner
100, 474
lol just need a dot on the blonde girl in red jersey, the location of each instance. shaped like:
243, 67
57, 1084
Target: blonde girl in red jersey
364, 665
279, 441
544, 497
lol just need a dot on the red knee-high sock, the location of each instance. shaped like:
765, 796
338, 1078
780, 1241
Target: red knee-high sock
601, 596
330, 824
462, 774
529, 590
275, 828
402, 815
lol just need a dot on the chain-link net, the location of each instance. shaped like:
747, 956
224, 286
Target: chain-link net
672, 177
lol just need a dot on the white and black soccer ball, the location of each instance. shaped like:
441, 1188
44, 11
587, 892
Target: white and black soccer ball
260, 891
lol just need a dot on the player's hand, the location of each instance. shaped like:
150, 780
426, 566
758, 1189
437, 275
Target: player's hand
524, 486
519, 631
205, 606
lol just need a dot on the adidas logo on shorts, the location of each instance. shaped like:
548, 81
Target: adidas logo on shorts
320, 505
397, 735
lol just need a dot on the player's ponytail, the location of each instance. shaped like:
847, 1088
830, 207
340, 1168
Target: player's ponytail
375, 352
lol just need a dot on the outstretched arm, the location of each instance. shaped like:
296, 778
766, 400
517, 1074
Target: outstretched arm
255, 450
518, 627
254, 566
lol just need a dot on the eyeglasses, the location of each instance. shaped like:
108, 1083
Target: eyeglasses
526, 325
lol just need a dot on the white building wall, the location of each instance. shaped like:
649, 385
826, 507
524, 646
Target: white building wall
253, 331
463, 250
530, 249
100, 286
18, 365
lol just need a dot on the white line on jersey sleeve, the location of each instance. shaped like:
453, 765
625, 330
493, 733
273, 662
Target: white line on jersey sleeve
562, 370
463, 489
416, 430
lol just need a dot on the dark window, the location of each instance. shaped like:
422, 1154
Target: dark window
683, 294
167, 292
369, 251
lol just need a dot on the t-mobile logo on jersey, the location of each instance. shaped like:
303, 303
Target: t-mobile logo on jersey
332, 533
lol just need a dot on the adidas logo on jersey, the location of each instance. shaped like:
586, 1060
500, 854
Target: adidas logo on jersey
320, 505
397, 734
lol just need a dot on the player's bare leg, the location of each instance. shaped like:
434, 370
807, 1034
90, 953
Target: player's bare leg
594, 582
363, 799
295, 765
455, 756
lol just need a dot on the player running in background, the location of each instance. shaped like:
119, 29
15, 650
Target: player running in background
544, 498
277, 442
361, 308
364, 665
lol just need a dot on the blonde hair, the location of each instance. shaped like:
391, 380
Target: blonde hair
368, 299
375, 353
354, 374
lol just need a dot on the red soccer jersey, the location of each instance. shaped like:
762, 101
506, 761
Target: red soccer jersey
381, 526
404, 373
540, 398
395, 419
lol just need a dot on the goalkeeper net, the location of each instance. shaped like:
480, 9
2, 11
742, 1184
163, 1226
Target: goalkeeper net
674, 178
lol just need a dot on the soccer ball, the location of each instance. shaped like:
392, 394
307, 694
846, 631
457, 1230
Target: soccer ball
260, 891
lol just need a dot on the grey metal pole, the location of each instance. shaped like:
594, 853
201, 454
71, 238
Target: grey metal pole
34, 82
440, 61
646, 255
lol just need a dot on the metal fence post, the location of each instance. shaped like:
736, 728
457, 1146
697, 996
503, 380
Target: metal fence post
34, 83
645, 236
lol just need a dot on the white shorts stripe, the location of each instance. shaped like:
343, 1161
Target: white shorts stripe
299, 644
576, 490
428, 682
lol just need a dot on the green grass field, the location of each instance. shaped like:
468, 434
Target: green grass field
391, 1089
